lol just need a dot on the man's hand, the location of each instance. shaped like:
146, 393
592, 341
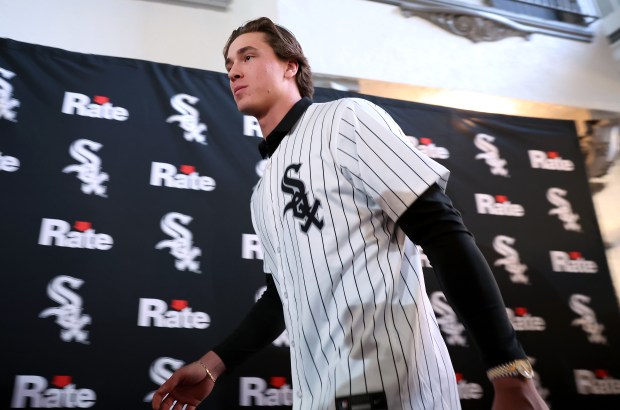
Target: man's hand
513, 393
189, 385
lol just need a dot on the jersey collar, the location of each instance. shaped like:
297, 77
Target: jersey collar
268, 146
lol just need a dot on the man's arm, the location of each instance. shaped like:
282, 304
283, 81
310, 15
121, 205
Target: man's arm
463, 273
193, 383
470, 287
261, 326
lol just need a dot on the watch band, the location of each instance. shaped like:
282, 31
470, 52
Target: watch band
515, 368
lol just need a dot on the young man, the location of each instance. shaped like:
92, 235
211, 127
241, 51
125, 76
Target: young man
342, 191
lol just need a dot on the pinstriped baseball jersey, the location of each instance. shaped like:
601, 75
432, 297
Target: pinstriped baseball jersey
351, 283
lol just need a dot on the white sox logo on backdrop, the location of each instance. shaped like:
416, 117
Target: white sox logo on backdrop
587, 320
299, 203
69, 314
181, 246
448, 322
510, 261
188, 118
89, 169
7, 102
161, 369
563, 209
490, 154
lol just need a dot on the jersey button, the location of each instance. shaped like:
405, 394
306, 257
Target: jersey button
299, 393
278, 249
285, 295
292, 343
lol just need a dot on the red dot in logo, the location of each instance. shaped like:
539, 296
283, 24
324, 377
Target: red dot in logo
187, 169
552, 154
501, 198
82, 225
574, 255
521, 311
459, 377
100, 99
277, 381
178, 304
61, 381
601, 373
426, 141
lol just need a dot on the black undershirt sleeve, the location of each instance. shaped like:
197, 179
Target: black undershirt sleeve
464, 275
261, 326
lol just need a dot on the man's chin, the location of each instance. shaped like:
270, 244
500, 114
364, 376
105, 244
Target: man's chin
245, 109
241, 106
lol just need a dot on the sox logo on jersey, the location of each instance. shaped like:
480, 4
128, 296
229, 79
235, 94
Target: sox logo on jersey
299, 203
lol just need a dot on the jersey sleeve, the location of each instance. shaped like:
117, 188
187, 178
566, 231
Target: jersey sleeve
376, 157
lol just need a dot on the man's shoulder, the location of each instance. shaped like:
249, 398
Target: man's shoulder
347, 101
352, 103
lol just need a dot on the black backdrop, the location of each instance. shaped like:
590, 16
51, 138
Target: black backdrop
127, 246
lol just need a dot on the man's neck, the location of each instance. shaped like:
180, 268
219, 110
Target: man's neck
272, 118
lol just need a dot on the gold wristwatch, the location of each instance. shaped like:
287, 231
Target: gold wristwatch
516, 368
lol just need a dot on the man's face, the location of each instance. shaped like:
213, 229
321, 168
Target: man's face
257, 76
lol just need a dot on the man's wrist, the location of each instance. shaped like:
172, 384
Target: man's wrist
520, 368
213, 365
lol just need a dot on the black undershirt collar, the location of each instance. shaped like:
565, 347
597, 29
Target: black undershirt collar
268, 146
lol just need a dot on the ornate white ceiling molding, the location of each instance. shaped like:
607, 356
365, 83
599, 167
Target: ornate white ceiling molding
485, 23
472, 25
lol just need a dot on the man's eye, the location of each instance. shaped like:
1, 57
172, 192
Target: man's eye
248, 58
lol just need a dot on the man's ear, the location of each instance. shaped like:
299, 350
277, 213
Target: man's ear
292, 67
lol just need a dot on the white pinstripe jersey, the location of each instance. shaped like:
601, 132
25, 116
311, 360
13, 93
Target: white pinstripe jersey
351, 283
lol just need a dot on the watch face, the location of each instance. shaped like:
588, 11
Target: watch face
525, 369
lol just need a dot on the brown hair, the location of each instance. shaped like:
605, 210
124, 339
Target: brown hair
285, 46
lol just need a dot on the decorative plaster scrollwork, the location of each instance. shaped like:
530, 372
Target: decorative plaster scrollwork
479, 22
475, 28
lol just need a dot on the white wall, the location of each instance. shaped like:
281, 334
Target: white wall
182, 35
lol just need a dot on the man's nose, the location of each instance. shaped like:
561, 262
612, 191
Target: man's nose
233, 74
